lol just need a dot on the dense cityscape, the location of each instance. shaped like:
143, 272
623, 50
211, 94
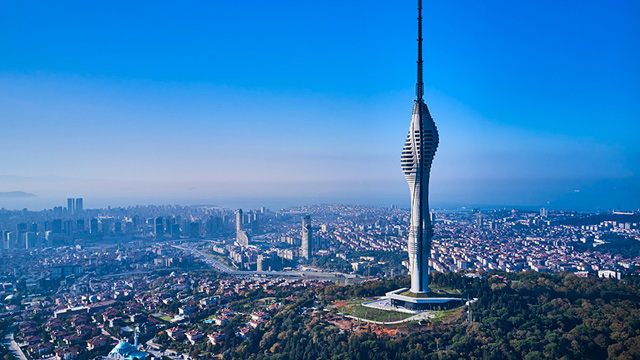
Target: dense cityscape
179, 280
294, 106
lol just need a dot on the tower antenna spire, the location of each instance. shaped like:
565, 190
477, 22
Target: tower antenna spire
419, 84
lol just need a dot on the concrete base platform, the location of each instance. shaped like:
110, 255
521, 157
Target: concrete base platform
422, 303
384, 303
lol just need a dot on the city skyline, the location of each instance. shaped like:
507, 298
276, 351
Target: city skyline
537, 106
214, 180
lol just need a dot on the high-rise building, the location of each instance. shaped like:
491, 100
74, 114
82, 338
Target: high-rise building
30, 239
80, 225
67, 227
175, 231
238, 224
194, 229
4, 244
21, 228
260, 263
417, 156
70, 205
93, 226
158, 227
79, 205
213, 225
56, 226
10, 240
243, 238
255, 223
306, 246
107, 225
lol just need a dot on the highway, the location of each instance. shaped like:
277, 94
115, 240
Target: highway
318, 275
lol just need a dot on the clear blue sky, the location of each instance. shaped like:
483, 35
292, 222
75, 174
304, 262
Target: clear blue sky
285, 102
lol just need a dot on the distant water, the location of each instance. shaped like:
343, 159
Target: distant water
601, 195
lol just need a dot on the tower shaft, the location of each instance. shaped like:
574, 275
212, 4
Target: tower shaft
417, 156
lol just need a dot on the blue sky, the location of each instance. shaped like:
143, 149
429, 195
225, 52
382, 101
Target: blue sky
288, 102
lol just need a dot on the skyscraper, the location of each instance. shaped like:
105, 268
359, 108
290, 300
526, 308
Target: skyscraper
70, 205
79, 205
417, 156
238, 224
93, 226
158, 227
544, 212
306, 246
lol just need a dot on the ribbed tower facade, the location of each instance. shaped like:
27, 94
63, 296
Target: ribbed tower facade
306, 246
417, 156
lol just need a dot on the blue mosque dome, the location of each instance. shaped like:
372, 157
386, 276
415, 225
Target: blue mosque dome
126, 351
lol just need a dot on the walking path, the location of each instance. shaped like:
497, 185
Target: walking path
426, 315
13, 347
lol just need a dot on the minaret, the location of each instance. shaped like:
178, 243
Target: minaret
417, 156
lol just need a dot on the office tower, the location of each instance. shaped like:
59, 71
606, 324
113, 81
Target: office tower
260, 263
306, 246
80, 225
194, 229
255, 223
70, 205
67, 227
21, 228
3, 240
417, 156
93, 226
175, 231
129, 228
107, 225
79, 205
11, 240
243, 238
238, 224
30, 239
158, 227
169, 224
213, 225
56, 226
544, 212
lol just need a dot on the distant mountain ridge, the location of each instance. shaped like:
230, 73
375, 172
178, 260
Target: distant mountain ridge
15, 194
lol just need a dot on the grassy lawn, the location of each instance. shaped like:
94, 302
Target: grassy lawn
355, 308
445, 290
221, 258
435, 292
162, 316
225, 260
416, 295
